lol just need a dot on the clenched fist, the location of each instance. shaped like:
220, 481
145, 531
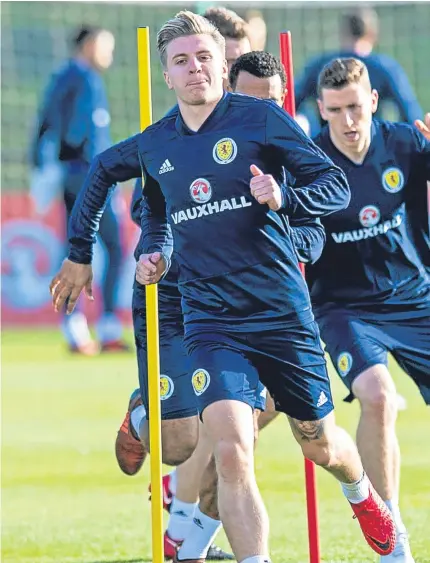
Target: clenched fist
265, 189
150, 268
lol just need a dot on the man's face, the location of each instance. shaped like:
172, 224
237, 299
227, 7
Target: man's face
234, 48
265, 88
349, 114
102, 49
195, 69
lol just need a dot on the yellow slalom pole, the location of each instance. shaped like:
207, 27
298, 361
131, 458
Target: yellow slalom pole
145, 103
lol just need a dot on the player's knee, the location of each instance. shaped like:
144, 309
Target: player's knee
233, 458
375, 390
321, 452
317, 438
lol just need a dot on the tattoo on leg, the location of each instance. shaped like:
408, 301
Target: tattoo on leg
306, 431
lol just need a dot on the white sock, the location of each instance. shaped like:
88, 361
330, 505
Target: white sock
136, 417
393, 507
358, 491
256, 559
200, 536
180, 519
173, 481
75, 329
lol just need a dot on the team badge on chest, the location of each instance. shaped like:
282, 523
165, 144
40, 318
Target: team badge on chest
393, 180
224, 151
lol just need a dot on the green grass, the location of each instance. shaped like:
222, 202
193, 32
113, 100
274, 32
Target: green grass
65, 500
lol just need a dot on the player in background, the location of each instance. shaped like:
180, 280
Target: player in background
257, 29
244, 300
359, 35
234, 30
370, 289
73, 127
262, 75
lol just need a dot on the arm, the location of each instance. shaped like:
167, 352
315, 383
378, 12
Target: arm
118, 164
157, 240
399, 89
85, 128
146, 206
46, 173
422, 145
156, 231
136, 200
320, 188
308, 236
307, 82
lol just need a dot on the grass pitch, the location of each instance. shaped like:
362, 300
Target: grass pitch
65, 500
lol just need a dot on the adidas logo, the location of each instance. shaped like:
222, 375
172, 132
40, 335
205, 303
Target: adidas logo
198, 522
166, 167
322, 399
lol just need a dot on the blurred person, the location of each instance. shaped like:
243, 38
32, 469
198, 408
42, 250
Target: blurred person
257, 74
359, 30
247, 312
234, 29
257, 30
73, 127
370, 289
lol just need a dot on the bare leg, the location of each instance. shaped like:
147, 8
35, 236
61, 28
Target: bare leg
229, 425
376, 432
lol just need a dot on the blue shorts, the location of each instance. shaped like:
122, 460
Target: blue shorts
176, 392
289, 362
356, 340
178, 399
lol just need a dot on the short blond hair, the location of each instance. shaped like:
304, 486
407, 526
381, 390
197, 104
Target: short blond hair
339, 73
228, 23
183, 24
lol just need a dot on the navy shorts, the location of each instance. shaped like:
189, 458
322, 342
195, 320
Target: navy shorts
289, 362
178, 399
356, 341
176, 392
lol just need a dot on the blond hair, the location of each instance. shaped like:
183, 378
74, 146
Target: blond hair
339, 73
228, 23
183, 24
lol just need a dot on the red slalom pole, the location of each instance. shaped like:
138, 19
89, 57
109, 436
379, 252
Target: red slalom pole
286, 49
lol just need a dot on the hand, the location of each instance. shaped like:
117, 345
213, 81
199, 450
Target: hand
424, 127
150, 268
265, 189
68, 284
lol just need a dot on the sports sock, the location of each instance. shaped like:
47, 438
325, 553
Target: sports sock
173, 480
358, 491
200, 536
180, 519
393, 507
136, 417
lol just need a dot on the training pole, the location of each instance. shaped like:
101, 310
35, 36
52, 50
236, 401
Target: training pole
152, 335
310, 478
